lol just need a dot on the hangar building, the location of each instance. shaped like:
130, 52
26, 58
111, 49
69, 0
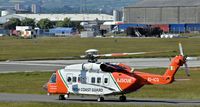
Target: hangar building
58, 17
163, 12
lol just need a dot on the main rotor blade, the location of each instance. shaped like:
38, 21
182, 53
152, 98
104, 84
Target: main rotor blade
120, 54
126, 54
193, 58
181, 49
181, 79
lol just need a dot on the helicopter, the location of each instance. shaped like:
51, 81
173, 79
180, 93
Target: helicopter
103, 79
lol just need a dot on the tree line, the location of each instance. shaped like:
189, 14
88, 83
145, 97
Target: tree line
42, 24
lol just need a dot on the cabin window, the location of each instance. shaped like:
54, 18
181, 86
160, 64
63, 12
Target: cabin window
98, 80
79, 79
74, 79
93, 80
105, 80
53, 78
69, 79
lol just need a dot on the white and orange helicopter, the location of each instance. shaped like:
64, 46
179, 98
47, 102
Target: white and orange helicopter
103, 79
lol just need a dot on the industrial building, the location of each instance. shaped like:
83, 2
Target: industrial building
163, 12
56, 17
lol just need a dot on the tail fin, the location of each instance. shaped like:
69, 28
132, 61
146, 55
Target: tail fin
174, 66
176, 63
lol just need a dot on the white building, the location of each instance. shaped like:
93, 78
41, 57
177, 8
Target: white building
58, 17
35, 8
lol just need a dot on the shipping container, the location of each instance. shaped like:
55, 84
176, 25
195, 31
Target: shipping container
192, 27
177, 28
4, 32
62, 31
164, 27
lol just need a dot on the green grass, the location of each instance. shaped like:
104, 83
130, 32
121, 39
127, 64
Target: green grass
31, 83
52, 48
191, 34
178, 90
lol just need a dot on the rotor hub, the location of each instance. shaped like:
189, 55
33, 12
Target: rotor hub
91, 55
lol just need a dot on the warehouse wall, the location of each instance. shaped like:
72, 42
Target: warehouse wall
161, 15
169, 15
153, 15
188, 14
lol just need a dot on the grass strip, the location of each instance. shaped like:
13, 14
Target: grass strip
64, 48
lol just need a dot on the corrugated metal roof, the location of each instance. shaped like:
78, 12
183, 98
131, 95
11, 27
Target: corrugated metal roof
165, 3
73, 17
6, 18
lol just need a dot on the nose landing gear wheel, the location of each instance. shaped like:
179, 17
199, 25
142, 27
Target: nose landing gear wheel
122, 98
100, 99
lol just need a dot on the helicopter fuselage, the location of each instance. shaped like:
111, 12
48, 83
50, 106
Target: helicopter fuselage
106, 78
92, 81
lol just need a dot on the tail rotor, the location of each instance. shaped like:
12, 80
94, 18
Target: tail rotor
185, 64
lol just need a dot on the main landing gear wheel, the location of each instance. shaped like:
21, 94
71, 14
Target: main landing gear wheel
122, 98
66, 96
100, 99
62, 97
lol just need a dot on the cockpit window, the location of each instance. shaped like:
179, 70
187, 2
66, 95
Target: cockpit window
53, 78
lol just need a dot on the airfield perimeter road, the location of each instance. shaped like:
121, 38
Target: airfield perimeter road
90, 99
52, 65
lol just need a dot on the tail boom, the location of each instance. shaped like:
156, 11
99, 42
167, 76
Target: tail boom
168, 77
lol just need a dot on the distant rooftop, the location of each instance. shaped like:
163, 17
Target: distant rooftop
58, 17
73, 17
165, 3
